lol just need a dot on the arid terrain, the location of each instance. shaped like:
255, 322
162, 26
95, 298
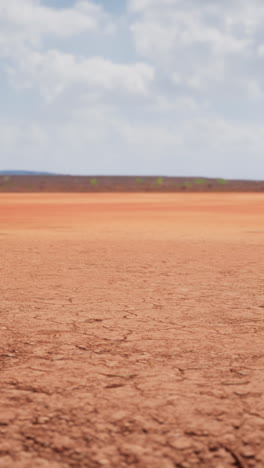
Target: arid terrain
132, 330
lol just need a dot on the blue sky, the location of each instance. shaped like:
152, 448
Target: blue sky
171, 87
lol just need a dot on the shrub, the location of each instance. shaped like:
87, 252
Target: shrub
93, 181
139, 180
200, 181
222, 181
160, 180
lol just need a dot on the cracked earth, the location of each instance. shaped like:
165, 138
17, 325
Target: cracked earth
131, 331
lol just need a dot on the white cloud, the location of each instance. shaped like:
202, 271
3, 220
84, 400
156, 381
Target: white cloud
169, 86
165, 26
204, 47
55, 71
27, 24
255, 90
34, 19
99, 144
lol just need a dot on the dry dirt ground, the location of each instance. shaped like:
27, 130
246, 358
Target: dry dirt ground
132, 330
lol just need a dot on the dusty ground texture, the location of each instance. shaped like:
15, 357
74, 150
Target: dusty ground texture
132, 331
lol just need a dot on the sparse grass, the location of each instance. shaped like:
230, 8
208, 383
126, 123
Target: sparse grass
6, 179
93, 181
188, 184
201, 181
160, 181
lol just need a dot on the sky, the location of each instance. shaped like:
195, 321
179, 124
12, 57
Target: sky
133, 87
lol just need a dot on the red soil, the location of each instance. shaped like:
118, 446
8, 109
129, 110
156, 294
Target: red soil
132, 330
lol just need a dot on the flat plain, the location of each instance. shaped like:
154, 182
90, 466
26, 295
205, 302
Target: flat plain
132, 330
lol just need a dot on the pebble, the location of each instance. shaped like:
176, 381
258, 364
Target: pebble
247, 452
180, 443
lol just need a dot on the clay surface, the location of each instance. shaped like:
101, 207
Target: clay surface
132, 330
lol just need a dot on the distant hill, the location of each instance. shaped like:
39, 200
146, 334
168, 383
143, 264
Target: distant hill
26, 173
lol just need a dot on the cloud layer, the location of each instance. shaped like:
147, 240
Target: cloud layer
162, 87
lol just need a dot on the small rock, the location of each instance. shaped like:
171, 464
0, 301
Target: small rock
180, 443
6, 416
5, 447
229, 439
102, 461
247, 452
42, 419
136, 450
58, 357
220, 465
236, 424
260, 456
61, 442
119, 415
